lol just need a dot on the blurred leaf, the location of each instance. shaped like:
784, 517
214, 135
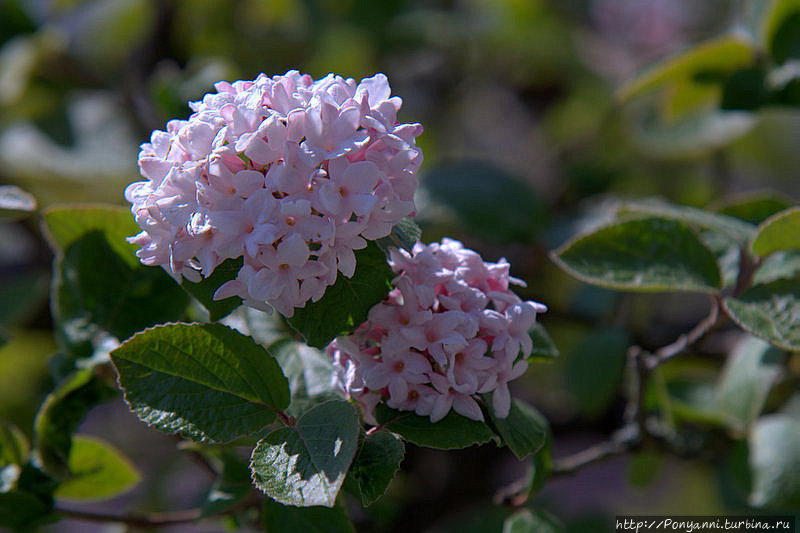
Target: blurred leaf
452, 431
23, 294
13, 20
96, 291
405, 235
770, 311
23, 511
204, 290
754, 207
775, 461
206, 382
735, 229
14, 445
644, 467
279, 517
524, 430
97, 472
305, 465
745, 89
59, 416
749, 373
345, 304
488, 201
266, 328
309, 373
783, 30
650, 254
63, 225
779, 232
24, 374
376, 464
543, 346
533, 521
230, 487
593, 369
15, 202
718, 56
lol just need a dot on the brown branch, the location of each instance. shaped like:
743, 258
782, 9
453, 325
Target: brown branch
622, 441
136, 520
688, 339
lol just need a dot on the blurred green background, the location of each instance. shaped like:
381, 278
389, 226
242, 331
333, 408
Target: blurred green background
532, 126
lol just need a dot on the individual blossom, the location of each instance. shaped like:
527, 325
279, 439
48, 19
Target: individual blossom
451, 329
289, 173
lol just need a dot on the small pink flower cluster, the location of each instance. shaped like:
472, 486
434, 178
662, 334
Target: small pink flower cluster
290, 173
449, 329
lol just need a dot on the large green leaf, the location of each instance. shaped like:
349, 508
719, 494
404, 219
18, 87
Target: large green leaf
65, 224
279, 517
486, 200
775, 462
309, 373
204, 290
524, 430
345, 304
749, 373
97, 471
59, 415
204, 381
376, 463
96, 290
717, 57
452, 431
779, 232
15, 203
734, 228
770, 311
305, 464
649, 254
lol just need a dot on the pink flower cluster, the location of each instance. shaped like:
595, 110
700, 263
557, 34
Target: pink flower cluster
449, 329
290, 173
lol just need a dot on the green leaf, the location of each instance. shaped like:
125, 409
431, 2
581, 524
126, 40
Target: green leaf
770, 311
14, 446
779, 232
97, 472
308, 371
279, 517
754, 207
594, 368
203, 291
737, 230
231, 487
543, 346
345, 304
644, 467
778, 265
376, 463
783, 30
452, 431
404, 235
524, 430
23, 511
775, 462
203, 381
266, 328
59, 415
305, 465
749, 373
96, 291
533, 521
486, 200
15, 203
65, 224
745, 89
717, 56
650, 254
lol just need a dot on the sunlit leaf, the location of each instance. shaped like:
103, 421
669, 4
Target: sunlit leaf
305, 464
15, 202
309, 373
650, 254
204, 381
775, 461
779, 232
770, 311
97, 472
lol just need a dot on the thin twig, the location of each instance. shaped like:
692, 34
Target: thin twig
621, 442
144, 520
688, 339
